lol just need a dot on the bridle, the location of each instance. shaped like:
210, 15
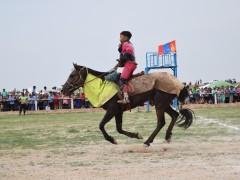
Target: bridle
75, 85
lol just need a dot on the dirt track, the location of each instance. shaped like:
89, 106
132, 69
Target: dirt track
216, 157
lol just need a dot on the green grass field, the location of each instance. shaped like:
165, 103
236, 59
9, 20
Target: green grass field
70, 146
41, 131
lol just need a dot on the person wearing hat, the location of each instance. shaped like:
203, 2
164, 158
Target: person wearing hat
127, 61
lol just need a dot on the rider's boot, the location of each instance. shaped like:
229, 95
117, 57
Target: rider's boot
122, 85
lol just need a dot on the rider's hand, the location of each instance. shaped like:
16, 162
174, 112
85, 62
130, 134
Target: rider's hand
115, 67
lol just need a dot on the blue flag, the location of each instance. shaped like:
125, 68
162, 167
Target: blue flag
166, 48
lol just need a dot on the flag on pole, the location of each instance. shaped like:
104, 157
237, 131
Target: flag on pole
172, 46
167, 48
160, 50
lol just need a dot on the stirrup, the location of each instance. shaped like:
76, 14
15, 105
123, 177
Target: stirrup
125, 99
121, 101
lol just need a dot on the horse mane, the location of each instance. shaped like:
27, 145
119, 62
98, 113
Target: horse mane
94, 72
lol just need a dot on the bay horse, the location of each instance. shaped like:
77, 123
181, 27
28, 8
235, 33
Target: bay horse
162, 101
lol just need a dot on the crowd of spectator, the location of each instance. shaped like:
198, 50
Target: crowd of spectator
54, 99
43, 100
200, 95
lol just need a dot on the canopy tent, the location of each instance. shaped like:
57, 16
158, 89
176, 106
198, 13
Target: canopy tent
220, 84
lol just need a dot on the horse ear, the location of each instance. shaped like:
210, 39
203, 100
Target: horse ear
76, 66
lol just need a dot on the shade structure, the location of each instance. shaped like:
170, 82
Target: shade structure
220, 84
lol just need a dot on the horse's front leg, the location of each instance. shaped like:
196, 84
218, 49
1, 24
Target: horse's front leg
119, 120
107, 117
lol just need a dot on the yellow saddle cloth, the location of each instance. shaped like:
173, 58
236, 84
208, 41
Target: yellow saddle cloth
98, 91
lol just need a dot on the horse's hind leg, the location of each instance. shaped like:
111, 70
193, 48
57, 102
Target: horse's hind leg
174, 115
118, 119
161, 122
107, 117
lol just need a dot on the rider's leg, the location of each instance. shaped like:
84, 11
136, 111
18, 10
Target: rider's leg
122, 86
122, 83
128, 69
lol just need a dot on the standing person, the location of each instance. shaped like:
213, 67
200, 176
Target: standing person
83, 98
227, 94
219, 95
65, 102
238, 92
231, 92
45, 100
35, 99
213, 92
78, 101
11, 100
40, 101
54, 89
45, 91
23, 103
31, 103
127, 61
34, 91
4, 94
1, 103
223, 97
56, 101
4, 100
50, 100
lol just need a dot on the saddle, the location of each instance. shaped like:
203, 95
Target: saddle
136, 75
129, 88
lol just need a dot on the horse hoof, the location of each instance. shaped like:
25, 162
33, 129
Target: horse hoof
168, 140
114, 141
146, 145
139, 136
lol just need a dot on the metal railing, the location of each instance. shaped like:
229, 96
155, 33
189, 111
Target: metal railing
215, 97
41, 104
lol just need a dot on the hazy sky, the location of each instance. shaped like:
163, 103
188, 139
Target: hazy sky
39, 39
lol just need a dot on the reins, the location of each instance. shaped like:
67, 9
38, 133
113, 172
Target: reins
75, 86
98, 76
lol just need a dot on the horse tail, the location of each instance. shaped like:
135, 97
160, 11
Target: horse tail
183, 94
186, 116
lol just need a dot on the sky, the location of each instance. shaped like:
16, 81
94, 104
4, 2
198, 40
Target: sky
40, 39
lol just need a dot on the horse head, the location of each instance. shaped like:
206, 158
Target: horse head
75, 80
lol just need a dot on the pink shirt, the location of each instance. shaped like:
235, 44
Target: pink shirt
127, 47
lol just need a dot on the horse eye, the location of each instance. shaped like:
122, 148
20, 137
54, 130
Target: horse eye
71, 76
